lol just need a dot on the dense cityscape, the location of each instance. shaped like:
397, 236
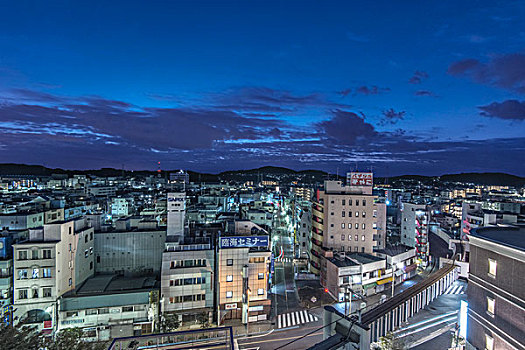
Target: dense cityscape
129, 259
262, 175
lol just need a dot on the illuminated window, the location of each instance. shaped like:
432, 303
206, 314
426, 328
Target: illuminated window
261, 275
342, 225
349, 237
356, 214
229, 278
489, 342
363, 237
260, 291
490, 305
229, 294
492, 267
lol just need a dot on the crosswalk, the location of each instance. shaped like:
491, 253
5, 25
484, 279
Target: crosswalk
295, 318
284, 259
455, 289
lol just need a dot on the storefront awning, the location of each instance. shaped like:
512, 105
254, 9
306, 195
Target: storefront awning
383, 281
370, 285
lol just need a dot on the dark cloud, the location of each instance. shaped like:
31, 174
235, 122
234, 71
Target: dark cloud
510, 110
506, 71
424, 93
390, 116
345, 127
364, 90
418, 77
93, 132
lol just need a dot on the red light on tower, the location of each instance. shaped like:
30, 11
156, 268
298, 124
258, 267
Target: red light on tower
326, 290
158, 169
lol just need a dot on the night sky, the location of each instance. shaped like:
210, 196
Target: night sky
399, 87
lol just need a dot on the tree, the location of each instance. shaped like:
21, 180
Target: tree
20, 337
169, 322
391, 342
204, 320
71, 339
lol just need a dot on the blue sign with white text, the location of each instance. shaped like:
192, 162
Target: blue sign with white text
244, 241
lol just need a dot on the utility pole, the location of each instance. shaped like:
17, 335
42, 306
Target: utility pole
393, 278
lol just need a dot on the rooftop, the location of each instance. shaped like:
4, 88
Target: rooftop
513, 237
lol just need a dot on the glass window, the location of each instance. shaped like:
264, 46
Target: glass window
22, 294
364, 214
229, 294
356, 214
35, 273
349, 214
357, 202
364, 202
46, 292
342, 225
91, 311
260, 291
229, 262
356, 225
229, 278
35, 293
363, 237
342, 237
72, 314
103, 311
490, 305
22, 255
46, 254
489, 342
34, 254
260, 275
349, 237
343, 202
364, 226
127, 309
22, 274
492, 267
356, 237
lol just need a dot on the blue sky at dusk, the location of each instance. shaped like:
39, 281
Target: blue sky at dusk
419, 87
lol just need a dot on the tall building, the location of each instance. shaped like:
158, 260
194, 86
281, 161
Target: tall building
345, 219
244, 261
54, 260
496, 306
176, 207
414, 229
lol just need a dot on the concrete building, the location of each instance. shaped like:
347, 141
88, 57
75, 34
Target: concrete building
187, 280
109, 306
244, 261
54, 260
130, 252
345, 219
21, 220
496, 307
119, 207
303, 228
176, 207
414, 229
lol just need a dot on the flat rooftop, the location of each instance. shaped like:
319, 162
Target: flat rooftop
513, 237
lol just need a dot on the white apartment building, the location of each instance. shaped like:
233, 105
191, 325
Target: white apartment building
414, 229
119, 207
176, 208
54, 260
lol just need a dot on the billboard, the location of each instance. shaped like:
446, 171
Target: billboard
361, 179
244, 241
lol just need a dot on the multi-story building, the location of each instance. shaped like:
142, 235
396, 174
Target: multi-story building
176, 207
21, 220
496, 306
414, 229
303, 228
119, 207
244, 260
54, 260
109, 306
345, 219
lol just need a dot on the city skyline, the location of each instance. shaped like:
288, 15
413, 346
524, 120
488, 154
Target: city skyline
412, 88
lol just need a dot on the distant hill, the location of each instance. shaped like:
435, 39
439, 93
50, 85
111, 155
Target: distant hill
267, 173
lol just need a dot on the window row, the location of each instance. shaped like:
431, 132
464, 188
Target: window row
105, 310
188, 263
35, 273
363, 226
35, 293
187, 298
187, 281
260, 259
35, 254
356, 237
229, 294
343, 202
260, 276
343, 214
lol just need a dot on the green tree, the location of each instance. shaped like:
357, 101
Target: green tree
71, 339
169, 322
20, 337
391, 342
204, 320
